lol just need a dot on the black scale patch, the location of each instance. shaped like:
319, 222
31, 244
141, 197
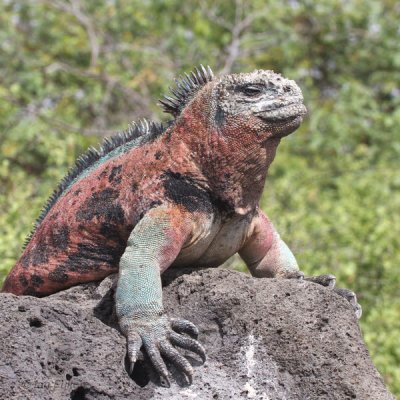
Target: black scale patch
30, 290
61, 238
185, 191
40, 255
36, 280
102, 204
58, 275
23, 281
110, 231
54, 216
103, 174
115, 175
88, 258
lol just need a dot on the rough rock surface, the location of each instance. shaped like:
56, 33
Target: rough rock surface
265, 339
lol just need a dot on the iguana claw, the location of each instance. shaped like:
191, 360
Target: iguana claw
184, 326
157, 338
329, 281
133, 344
153, 351
189, 344
168, 351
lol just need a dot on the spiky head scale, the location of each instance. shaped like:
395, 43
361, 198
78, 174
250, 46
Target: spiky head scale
185, 89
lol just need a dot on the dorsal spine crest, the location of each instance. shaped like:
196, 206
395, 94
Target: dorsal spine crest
142, 129
185, 88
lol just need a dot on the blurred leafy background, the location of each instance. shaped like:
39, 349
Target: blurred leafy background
72, 71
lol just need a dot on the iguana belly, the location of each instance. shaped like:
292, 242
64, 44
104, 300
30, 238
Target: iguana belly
215, 245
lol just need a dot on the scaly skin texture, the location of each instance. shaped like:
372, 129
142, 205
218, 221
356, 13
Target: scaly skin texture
187, 197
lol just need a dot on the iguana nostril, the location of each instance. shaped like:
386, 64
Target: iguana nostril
287, 88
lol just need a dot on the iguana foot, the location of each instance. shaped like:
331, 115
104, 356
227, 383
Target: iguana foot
158, 336
329, 281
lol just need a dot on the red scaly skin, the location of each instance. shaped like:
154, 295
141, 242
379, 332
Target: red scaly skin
84, 234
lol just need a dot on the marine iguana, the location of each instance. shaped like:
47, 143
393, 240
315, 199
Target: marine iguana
183, 194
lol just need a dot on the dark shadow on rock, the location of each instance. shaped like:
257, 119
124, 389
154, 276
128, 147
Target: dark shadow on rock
140, 373
171, 274
105, 309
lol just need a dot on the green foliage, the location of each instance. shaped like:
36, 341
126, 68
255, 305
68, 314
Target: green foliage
72, 71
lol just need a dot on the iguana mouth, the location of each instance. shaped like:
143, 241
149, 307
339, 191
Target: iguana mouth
283, 113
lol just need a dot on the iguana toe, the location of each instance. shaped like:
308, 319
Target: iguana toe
168, 351
293, 275
184, 326
153, 351
133, 344
187, 343
351, 298
327, 280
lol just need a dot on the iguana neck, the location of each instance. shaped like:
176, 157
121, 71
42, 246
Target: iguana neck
234, 168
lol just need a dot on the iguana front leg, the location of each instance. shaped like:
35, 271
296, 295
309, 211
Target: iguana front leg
267, 255
152, 246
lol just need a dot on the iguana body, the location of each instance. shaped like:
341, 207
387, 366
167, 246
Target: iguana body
182, 195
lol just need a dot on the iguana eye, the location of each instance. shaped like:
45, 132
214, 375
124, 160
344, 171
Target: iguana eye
251, 90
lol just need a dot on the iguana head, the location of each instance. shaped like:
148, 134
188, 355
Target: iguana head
260, 103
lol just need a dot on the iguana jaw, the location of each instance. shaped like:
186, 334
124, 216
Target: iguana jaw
283, 120
285, 113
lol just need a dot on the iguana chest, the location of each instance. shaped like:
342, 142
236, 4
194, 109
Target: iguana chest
214, 242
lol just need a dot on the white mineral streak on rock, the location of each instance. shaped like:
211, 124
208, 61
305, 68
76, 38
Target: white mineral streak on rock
188, 393
251, 392
250, 356
249, 352
250, 363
